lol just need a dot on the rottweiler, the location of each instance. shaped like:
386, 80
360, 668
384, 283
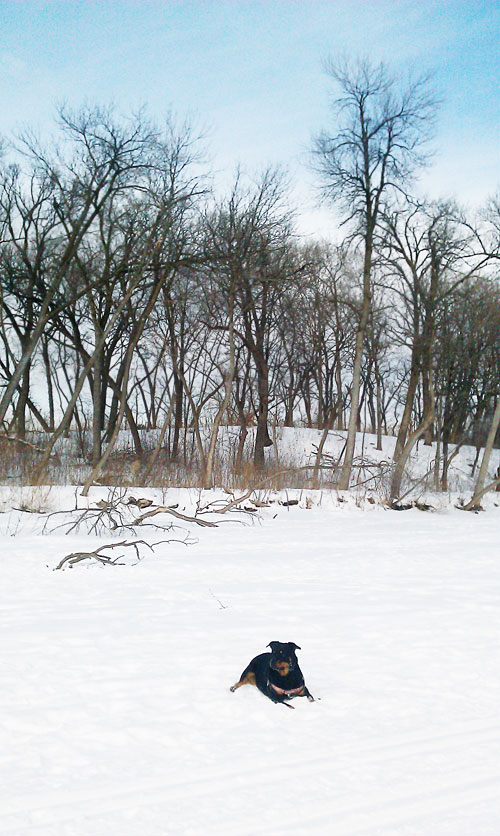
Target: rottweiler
276, 674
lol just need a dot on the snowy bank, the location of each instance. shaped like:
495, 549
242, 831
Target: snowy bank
116, 717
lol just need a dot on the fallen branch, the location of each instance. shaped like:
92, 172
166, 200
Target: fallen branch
164, 509
105, 515
117, 513
76, 557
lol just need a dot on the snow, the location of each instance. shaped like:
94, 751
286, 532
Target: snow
116, 717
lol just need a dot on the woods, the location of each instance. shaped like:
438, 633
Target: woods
135, 298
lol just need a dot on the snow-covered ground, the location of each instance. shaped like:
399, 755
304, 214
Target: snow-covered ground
115, 712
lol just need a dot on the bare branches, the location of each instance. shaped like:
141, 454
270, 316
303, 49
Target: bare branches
164, 509
76, 557
109, 514
383, 127
119, 513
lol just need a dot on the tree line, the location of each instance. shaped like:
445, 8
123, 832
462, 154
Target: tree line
132, 296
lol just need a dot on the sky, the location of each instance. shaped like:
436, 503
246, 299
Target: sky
250, 75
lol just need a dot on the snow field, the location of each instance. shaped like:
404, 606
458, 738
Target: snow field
115, 712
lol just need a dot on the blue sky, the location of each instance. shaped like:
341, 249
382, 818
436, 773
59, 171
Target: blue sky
250, 74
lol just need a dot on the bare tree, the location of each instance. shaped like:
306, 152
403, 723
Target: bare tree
382, 128
431, 253
102, 156
28, 255
166, 246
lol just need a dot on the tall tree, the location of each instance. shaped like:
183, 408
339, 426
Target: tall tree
378, 143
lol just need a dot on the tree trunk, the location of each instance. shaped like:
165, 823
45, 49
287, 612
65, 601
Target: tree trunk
97, 468
426, 399
240, 397
437, 462
178, 413
228, 383
97, 410
340, 402
317, 461
427, 421
399, 469
22, 403
50, 387
262, 438
345, 475
290, 399
405, 420
379, 410
479, 489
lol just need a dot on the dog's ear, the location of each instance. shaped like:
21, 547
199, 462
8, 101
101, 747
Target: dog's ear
294, 646
273, 645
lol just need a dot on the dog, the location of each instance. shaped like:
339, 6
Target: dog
276, 674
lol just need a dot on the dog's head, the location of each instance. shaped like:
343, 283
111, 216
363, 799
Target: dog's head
283, 658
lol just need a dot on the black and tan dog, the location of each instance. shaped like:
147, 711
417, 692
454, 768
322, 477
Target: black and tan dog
276, 674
